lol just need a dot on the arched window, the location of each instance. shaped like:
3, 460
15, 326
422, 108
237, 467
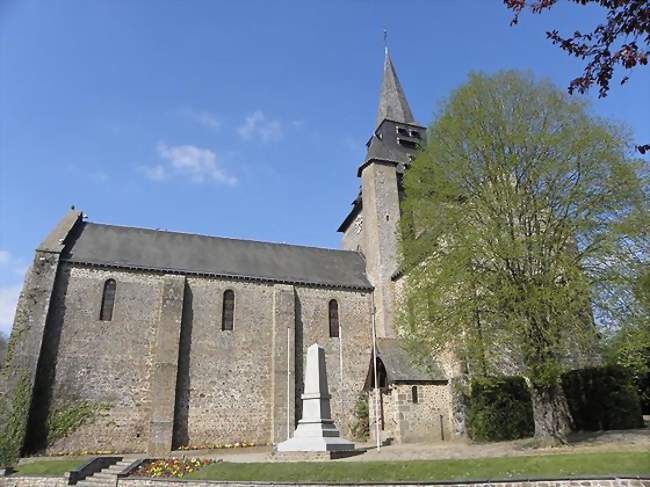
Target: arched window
228, 314
334, 318
414, 394
108, 300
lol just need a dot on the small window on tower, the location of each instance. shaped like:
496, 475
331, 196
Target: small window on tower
402, 131
414, 134
414, 394
334, 318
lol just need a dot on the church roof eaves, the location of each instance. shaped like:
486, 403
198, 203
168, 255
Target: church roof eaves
183, 253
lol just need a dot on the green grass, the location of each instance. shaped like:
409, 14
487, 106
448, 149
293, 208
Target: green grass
559, 465
53, 468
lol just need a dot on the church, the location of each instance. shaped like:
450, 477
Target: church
154, 340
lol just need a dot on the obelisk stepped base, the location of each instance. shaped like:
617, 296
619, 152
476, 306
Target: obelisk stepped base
316, 432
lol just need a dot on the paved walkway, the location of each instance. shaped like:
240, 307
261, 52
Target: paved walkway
622, 440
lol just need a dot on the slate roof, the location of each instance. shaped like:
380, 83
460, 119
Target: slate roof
140, 248
399, 365
392, 101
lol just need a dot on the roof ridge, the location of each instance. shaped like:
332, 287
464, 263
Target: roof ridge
280, 244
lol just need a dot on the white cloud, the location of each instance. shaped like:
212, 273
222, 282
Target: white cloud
8, 300
187, 161
155, 173
207, 119
4, 256
259, 125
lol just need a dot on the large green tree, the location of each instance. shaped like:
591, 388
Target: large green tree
3, 349
523, 220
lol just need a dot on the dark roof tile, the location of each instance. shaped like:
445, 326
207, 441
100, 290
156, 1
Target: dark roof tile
140, 248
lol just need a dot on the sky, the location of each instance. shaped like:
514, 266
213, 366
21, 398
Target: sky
240, 119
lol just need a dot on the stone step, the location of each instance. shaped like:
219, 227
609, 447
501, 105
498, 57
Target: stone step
90, 482
105, 474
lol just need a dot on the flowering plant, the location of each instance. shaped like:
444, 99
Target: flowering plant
171, 467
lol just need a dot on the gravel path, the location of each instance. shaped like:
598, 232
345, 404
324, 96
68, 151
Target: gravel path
621, 440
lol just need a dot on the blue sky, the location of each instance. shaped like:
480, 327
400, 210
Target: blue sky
244, 119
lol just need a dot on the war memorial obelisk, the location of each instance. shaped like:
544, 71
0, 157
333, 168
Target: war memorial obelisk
316, 432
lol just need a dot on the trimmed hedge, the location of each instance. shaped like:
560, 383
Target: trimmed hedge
499, 408
599, 398
602, 398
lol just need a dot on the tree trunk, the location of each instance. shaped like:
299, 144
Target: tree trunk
551, 414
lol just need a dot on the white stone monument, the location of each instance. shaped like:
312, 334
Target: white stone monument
316, 431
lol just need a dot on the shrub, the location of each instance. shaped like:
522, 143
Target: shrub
67, 419
361, 427
602, 398
14, 411
500, 409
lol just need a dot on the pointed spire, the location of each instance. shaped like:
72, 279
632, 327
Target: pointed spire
392, 101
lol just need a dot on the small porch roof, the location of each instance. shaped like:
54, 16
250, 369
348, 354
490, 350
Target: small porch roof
400, 367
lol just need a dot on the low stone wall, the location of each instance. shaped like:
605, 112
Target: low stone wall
27, 481
602, 482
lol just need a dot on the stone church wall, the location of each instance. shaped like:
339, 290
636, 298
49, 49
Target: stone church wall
355, 319
224, 388
227, 388
353, 236
405, 421
103, 362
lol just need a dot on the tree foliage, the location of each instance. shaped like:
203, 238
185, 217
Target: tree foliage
3, 349
623, 39
629, 345
523, 219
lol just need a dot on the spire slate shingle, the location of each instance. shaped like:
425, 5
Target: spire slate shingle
392, 101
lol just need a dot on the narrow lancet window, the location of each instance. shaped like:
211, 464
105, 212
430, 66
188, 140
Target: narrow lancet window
414, 394
228, 314
334, 318
108, 301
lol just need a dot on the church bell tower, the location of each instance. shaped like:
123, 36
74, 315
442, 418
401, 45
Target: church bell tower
372, 224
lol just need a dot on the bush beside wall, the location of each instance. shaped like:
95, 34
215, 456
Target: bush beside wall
499, 408
602, 398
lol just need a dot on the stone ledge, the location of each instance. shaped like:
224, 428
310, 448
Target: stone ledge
608, 481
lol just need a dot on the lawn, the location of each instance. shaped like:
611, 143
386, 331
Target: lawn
559, 465
54, 468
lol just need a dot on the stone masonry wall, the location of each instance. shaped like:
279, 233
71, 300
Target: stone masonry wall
224, 387
353, 236
381, 215
388, 417
426, 420
105, 362
405, 422
136, 482
313, 327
